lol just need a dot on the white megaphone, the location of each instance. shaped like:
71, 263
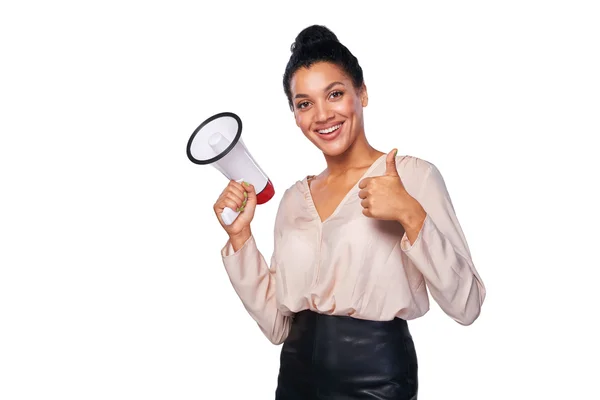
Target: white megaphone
217, 141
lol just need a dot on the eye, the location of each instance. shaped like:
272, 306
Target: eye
302, 105
337, 93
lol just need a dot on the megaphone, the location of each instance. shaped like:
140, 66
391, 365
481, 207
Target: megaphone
218, 142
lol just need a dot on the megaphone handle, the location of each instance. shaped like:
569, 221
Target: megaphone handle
228, 215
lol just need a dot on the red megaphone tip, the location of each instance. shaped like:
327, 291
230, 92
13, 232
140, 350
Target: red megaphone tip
266, 194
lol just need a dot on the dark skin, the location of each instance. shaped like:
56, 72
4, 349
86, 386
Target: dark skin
324, 97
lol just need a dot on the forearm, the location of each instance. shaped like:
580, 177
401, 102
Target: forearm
449, 273
255, 283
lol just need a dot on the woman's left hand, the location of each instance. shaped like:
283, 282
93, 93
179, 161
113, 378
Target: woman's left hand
385, 197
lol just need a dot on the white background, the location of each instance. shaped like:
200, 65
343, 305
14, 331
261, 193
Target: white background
111, 282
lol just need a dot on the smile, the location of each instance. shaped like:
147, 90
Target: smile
330, 129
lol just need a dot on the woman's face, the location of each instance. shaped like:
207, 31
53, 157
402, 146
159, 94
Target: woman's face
327, 107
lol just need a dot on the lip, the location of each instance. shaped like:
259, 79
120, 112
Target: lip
331, 136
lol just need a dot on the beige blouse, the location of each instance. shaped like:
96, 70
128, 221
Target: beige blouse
358, 266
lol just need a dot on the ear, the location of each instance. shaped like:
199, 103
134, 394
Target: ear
364, 96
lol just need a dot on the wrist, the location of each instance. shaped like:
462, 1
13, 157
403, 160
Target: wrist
412, 219
237, 240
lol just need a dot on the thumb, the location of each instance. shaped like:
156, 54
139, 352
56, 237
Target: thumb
390, 162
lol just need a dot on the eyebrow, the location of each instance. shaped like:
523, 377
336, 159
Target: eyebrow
332, 84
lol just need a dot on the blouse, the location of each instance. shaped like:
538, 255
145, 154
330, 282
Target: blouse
357, 266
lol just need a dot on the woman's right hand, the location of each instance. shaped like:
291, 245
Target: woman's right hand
233, 196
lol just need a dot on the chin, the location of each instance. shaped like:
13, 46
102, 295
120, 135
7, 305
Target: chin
333, 152
334, 149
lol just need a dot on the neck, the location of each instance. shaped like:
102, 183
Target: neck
358, 156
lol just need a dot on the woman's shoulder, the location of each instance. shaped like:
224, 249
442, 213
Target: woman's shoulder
294, 190
416, 172
409, 164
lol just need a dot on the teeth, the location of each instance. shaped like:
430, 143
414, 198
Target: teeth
333, 128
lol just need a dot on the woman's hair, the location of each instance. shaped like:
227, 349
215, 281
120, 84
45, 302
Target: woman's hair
315, 44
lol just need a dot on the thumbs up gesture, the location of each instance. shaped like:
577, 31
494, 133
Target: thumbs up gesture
384, 197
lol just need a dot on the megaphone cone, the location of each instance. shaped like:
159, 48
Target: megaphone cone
217, 141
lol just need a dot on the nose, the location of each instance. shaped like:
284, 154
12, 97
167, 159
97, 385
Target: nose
324, 113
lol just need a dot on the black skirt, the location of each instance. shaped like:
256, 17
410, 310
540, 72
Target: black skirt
336, 357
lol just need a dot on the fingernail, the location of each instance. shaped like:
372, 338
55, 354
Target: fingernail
245, 194
246, 183
244, 202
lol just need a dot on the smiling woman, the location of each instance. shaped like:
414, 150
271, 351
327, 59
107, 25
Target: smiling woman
324, 85
356, 247
325, 107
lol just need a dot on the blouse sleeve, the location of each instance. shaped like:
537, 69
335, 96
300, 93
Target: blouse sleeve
254, 282
441, 253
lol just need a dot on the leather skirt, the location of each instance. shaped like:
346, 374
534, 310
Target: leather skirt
340, 358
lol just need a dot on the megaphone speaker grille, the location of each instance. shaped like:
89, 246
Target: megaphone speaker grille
214, 138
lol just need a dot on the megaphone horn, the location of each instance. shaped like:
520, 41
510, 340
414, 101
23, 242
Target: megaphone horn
218, 142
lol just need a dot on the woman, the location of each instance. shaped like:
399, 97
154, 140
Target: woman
355, 248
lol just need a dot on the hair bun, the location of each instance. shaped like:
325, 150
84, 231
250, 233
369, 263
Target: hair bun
311, 35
